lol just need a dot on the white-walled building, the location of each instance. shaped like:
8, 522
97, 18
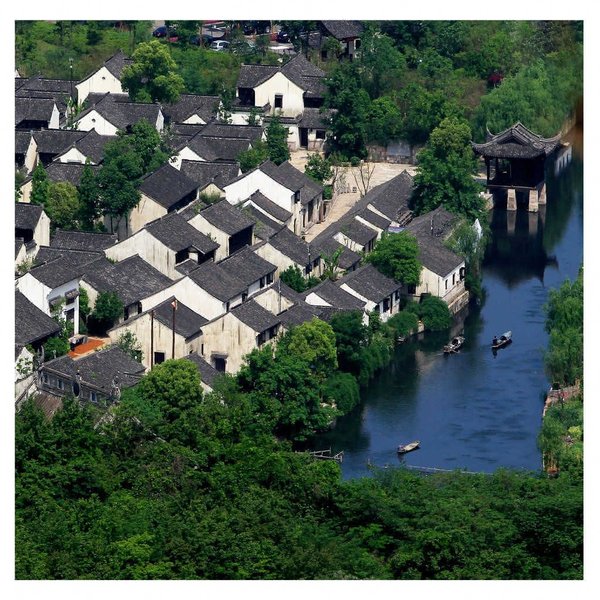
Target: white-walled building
105, 79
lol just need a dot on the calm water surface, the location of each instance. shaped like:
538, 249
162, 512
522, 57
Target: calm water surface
474, 410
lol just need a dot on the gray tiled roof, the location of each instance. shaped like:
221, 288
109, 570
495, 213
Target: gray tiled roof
117, 62
118, 110
192, 209
206, 172
167, 185
212, 148
292, 179
61, 266
186, 267
31, 324
192, 104
33, 109
264, 227
271, 209
188, 323
92, 144
378, 221
336, 296
56, 141
357, 232
315, 118
342, 30
370, 283
68, 172
187, 130
516, 142
247, 266
436, 257
208, 373
22, 139
298, 314
438, 222
132, 279
225, 130
253, 75
44, 84
177, 234
217, 281
295, 248
98, 369
328, 246
82, 240
255, 316
392, 198
27, 215
227, 218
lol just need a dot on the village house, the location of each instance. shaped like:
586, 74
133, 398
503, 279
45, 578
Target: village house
346, 33
53, 285
32, 228
133, 280
32, 329
211, 177
192, 109
110, 113
443, 271
36, 113
82, 240
162, 191
46, 144
228, 338
328, 294
228, 226
57, 172
169, 330
285, 249
380, 293
286, 91
210, 148
60, 90
287, 187
208, 374
98, 377
340, 258
88, 148
165, 244
269, 209
105, 79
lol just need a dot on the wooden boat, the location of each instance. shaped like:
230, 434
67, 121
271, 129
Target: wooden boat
503, 340
408, 447
454, 345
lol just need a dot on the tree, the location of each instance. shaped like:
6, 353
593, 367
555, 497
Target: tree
293, 277
250, 159
40, 185
277, 145
395, 255
351, 101
90, 209
63, 206
445, 172
351, 337
107, 310
384, 121
130, 345
153, 75
318, 168
55, 347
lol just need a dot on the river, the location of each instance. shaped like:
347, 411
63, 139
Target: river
474, 410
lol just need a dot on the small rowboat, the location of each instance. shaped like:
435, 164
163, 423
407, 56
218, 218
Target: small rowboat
454, 345
503, 340
408, 447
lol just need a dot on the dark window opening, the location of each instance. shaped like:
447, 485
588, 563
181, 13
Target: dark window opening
246, 96
262, 283
278, 101
386, 305
462, 273
269, 278
159, 357
220, 364
181, 256
412, 289
139, 308
320, 134
446, 284
93, 397
323, 54
261, 338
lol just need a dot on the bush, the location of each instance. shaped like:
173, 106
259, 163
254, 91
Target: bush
55, 347
435, 314
342, 388
403, 323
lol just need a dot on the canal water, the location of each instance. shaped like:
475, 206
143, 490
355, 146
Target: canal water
476, 410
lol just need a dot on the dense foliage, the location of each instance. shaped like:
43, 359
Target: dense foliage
433, 311
396, 256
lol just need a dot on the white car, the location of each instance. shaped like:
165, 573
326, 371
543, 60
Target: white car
219, 45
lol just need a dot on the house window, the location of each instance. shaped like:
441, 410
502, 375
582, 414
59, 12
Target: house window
244, 296
297, 196
356, 44
269, 278
227, 307
323, 54
93, 397
262, 283
139, 308
159, 357
261, 338
386, 305
453, 278
181, 256
412, 289
126, 313
61, 384
446, 283
202, 349
45, 378
396, 295
462, 273
278, 101
220, 364
320, 134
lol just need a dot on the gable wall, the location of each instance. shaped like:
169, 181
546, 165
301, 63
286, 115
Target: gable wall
93, 120
203, 226
185, 154
293, 101
146, 210
73, 156
31, 156
100, 82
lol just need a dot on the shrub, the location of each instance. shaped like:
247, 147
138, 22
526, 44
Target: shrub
55, 347
435, 314
342, 388
403, 323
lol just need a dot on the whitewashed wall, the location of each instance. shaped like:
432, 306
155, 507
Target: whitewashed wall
203, 226
100, 82
93, 120
293, 96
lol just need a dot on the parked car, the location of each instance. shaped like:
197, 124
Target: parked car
283, 37
166, 32
219, 45
258, 27
160, 32
201, 40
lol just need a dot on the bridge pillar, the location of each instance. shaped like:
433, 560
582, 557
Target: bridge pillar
533, 200
511, 200
542, 196
533, 223
511, 218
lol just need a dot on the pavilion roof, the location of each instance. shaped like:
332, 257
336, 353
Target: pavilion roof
516, 142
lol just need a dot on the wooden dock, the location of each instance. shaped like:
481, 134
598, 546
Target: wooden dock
325, 454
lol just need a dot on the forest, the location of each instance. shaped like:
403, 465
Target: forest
174, 483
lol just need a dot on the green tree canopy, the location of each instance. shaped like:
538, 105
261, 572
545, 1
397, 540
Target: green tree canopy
318, 168
445, 172
107, 310
90, 209
277, 146
40, 185
293, 277
153, 75
395, 255
63, 206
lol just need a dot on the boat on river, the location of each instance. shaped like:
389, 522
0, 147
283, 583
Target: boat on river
504, 340
454, 345
408, 447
